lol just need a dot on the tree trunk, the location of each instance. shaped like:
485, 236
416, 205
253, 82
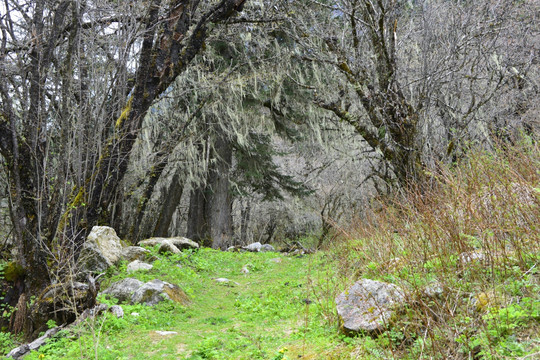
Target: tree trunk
170, 202
197, 225
210, 209
219, 205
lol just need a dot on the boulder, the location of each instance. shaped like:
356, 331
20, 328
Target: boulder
180, 242
156, 291
132, 253
101, 250
138, 265
123, 290
368, 306
167, 246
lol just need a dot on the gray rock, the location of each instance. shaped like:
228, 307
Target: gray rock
167, 246
101, 250
156, 291
138, 265
267, 248
434, 290
368, 305
117, 311
132, 253
123, 290
467, 257
226, 281
255, 247
179, 241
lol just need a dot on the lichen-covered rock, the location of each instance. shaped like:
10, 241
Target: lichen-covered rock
167, 246
132, 253
138, 265
123, 290
156, 291
101, 250
179, 241
368, 305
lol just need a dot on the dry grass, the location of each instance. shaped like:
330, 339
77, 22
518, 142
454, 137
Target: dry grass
465, 248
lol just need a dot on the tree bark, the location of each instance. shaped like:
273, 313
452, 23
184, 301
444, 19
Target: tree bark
219, 205
170, 202
210, 209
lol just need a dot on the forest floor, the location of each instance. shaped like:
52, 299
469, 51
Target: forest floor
465, 249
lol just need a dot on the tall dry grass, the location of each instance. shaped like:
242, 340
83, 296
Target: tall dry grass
464, 247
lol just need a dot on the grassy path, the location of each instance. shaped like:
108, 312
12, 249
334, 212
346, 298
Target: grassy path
267, 313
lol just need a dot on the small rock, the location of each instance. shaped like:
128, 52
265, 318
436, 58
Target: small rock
124, 289
168, 247
267, 248
226, 281
244, 270
138, 265
98, 309
117, 311
235, 248
165, 333
135, 314
367, 305
434, 290
255, 247
276, 260
467, 257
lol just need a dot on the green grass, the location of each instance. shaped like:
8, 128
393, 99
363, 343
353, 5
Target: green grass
271, 314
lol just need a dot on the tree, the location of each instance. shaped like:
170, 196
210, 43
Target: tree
411, 77
63, 81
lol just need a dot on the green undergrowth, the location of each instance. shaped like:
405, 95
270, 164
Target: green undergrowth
270, 314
